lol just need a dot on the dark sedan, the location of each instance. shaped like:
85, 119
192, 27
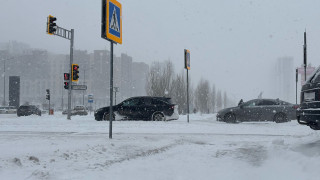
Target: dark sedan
259, 110
27, 110
141, 108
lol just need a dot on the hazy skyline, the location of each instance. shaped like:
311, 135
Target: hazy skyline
234, 44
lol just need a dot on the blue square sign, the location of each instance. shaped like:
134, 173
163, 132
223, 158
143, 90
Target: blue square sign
114, 21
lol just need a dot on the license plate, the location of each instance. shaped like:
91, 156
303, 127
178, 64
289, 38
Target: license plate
309, 96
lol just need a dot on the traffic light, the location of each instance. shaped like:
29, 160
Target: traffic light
51, 25
66, 76
66, 85
48, 94
75, 73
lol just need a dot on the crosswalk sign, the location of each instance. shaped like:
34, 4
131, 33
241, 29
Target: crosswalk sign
112, 21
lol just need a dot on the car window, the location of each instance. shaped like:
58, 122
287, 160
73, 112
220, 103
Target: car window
156, 102
147, 101
267, 103
251, 103
132, 102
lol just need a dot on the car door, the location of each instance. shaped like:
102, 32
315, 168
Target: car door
268, 108
129, 108
250, 111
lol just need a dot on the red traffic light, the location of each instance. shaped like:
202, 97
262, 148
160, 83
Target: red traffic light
66, 76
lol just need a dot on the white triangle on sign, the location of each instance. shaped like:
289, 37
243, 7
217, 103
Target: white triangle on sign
114, 21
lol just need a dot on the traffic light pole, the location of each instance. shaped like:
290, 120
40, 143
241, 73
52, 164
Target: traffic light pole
70, 70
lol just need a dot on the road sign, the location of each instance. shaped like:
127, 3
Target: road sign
112, 21
187, 59
79, 87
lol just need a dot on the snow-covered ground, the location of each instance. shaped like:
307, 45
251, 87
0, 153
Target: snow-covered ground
52, 147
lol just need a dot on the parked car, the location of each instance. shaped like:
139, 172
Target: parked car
259, 110
8, 110
77, 110
309, 111
141, 108
27, 110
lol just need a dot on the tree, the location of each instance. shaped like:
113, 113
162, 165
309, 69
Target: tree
202, 96
213, 98
179, 92
219, 101
225, 100
159, 80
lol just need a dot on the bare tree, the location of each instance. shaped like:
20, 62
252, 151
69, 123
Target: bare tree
202, 96
219, 101
213, 98
159, 80
179, 92
225, 100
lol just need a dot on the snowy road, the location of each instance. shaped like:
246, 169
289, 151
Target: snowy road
51, 147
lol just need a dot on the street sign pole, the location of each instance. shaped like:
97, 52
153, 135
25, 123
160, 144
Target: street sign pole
111, 90
187, 66
70, 70
188, 94
111, 30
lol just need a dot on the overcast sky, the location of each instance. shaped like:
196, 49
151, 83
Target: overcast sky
234, 43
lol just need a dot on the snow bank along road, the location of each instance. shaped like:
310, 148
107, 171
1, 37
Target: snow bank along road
51, 147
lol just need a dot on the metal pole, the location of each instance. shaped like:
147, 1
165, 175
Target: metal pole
297, 86
111, 90
305, 56
4, 83
84, 82
49, 104
115, 97
70, 69
188, 93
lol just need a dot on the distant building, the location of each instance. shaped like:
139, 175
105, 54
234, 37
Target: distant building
285, 79
40, 70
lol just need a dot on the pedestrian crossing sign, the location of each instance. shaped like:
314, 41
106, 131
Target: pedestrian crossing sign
113, 21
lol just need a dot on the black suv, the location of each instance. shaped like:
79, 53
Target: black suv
141, 108
27, 110
309, 111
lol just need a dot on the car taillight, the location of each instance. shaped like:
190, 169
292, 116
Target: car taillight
295, 106
172, 107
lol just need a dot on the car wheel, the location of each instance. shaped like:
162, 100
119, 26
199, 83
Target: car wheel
158, 117
106, 117
280, 118
230, 118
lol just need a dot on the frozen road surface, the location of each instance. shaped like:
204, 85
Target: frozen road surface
51, 147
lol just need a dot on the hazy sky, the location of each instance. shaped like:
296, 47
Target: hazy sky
233, 43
